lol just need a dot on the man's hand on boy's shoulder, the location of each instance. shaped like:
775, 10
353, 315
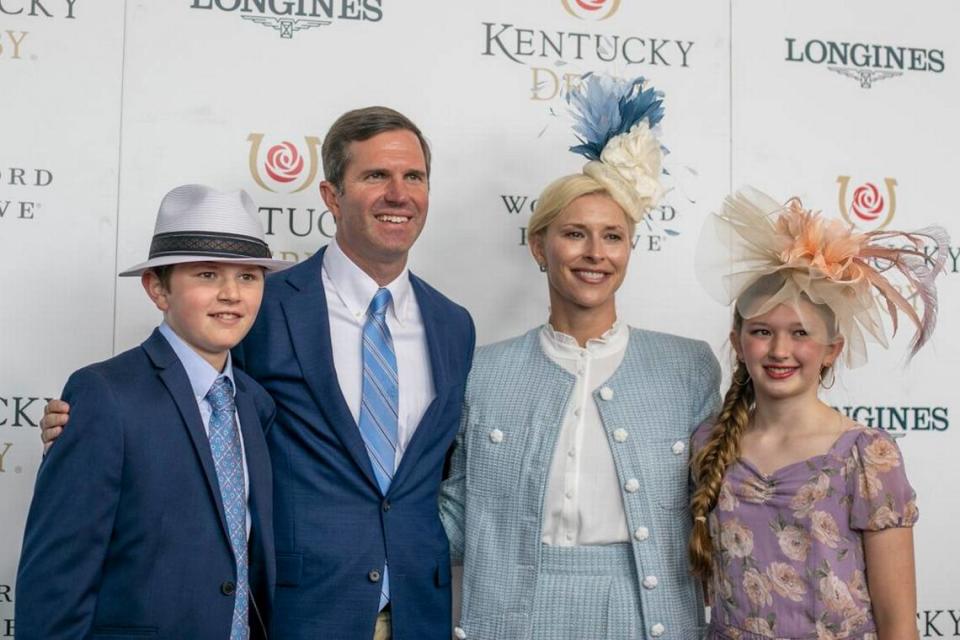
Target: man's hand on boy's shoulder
55, 416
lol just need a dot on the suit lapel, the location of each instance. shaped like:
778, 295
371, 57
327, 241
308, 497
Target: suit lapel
174, 378
437, 343
308, 323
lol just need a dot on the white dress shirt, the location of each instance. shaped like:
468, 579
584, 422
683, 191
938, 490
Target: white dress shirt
349, 291
583, 503
202, 375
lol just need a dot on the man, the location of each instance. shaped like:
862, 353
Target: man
367, 366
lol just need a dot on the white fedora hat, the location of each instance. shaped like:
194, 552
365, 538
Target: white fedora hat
200, 224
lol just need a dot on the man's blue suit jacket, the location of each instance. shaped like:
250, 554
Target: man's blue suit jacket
126, 536
334, 527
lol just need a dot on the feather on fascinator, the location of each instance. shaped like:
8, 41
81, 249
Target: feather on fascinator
859, 276
615, 121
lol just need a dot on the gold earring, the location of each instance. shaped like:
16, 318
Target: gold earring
833, 379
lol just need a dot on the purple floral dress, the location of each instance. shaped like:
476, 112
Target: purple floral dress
788, 548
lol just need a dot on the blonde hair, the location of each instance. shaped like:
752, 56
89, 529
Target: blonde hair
710, 463
560, 193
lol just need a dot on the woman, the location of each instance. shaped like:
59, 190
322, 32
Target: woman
567, 496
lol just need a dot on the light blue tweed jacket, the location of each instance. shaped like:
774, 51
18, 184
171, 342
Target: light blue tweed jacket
492, 503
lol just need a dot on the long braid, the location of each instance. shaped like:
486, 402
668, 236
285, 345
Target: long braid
711, 463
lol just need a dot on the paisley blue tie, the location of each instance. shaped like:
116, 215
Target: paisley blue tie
228, 460
379, 402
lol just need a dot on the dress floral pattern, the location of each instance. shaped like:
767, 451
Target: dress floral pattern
788, 547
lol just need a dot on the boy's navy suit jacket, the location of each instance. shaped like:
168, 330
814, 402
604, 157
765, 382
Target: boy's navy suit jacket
126, 536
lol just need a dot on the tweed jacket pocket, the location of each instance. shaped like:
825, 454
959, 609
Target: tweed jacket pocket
494, 458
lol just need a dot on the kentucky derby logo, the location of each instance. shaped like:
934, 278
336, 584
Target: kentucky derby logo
866, 206
284, 164
591, 9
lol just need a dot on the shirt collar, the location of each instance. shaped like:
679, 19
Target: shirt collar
200, 373
356, 289
612, 341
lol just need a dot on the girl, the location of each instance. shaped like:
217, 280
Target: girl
801, 518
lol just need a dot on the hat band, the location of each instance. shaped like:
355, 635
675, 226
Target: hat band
208, 243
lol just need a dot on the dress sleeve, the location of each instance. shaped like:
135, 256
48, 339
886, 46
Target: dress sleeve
881, 496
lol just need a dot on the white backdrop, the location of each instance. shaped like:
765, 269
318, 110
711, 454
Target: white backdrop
109, 104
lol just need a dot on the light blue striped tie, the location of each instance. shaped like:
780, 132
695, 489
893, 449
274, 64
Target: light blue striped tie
379, 402
228, 461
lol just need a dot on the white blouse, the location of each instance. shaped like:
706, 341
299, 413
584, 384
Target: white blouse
583, 503
349, 291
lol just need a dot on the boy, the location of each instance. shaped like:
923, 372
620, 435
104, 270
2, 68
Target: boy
154, 517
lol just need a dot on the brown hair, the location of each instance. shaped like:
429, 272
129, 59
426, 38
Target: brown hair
164, 273
358, 125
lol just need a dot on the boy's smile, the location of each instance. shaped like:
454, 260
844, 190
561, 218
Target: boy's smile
210, 305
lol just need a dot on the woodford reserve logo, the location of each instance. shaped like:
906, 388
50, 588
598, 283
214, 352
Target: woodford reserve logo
652, 233
18, 189
865, 62
6, 617
290, 16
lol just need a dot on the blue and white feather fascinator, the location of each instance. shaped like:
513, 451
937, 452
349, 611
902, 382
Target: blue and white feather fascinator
615, 121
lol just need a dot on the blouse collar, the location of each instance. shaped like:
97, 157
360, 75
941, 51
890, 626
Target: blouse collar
614, 340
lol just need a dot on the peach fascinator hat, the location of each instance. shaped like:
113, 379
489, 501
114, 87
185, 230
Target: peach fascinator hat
759, 254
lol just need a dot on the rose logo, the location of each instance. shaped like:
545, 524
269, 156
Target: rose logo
868, 207
591, 9
867, 202
284, 162
591, 5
